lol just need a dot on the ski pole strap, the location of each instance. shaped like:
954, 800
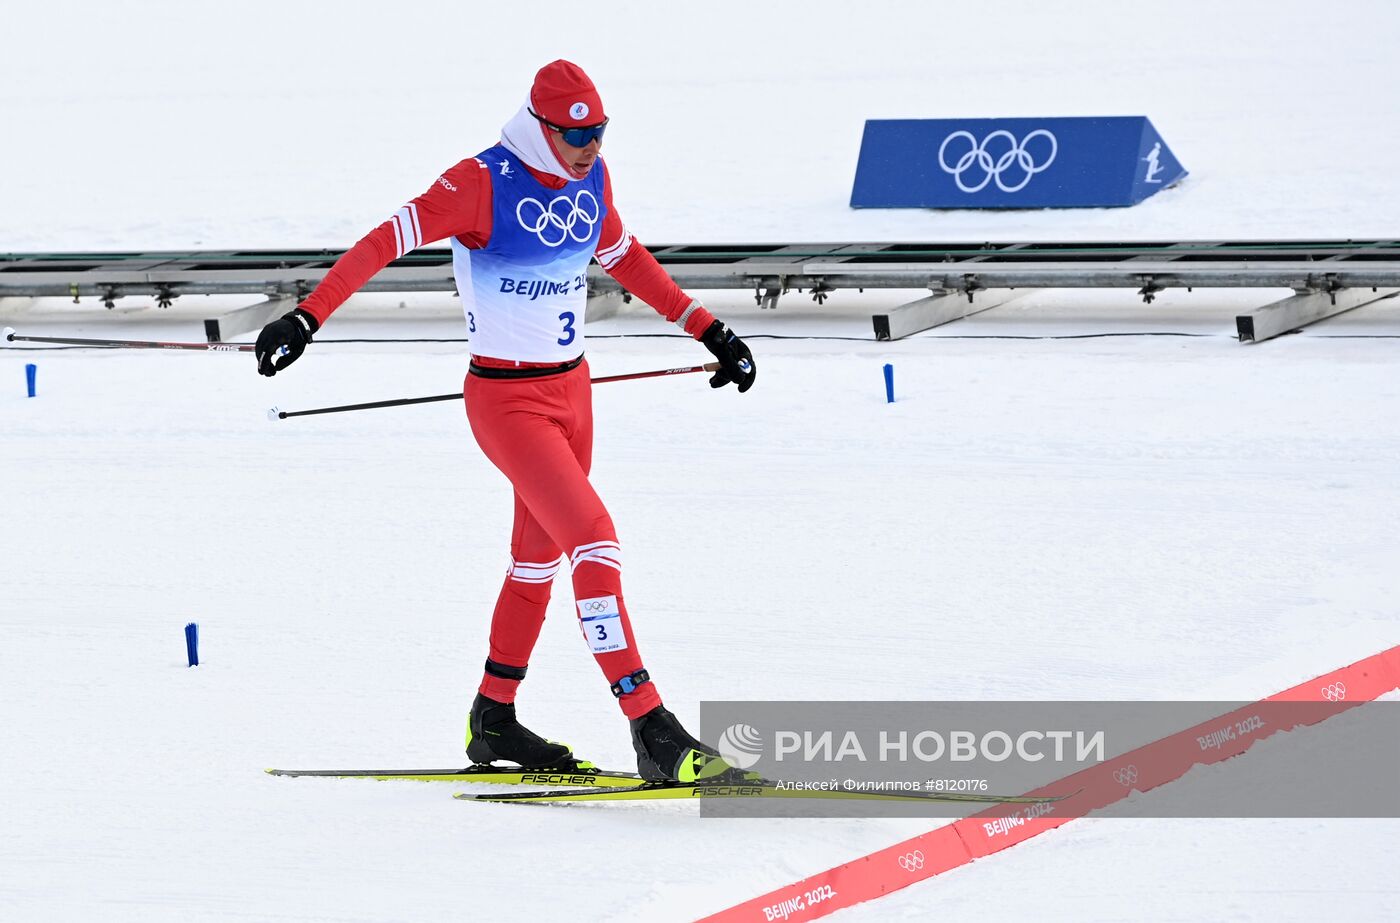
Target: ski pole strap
630, 682
504, 670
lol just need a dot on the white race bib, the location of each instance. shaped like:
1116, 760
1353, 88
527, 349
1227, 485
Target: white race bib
601, 621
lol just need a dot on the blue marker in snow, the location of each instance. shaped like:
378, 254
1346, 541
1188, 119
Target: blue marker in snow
31, 372
889, 383
192, 643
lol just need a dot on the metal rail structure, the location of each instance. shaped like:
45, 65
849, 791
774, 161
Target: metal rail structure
1328, 276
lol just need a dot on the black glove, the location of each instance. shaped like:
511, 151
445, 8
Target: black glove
735, 361
284, 340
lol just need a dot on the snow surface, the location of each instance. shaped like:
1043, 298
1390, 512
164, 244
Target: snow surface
165, 123
1121, 517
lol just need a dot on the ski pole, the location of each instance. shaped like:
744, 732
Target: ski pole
275, 414
11, 336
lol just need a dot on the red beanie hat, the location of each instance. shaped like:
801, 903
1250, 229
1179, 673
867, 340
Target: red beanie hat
563, 95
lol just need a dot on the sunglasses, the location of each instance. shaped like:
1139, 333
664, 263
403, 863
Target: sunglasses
575, 137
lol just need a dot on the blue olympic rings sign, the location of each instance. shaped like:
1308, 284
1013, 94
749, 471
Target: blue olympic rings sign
1011, 155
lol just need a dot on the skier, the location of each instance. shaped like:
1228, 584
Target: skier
525, 217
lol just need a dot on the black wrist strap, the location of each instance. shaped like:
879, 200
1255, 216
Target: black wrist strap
303, 317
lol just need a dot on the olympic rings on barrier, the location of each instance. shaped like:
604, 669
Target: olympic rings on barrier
981, 158
912, 862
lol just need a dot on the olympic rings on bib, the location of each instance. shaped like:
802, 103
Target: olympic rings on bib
560, 219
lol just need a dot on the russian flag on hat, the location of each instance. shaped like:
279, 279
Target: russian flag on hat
563, 95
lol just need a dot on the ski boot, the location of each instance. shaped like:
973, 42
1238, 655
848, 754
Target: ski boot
494, 734
666, 753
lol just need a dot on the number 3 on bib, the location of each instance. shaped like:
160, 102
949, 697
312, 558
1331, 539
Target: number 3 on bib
601, 621
568, 318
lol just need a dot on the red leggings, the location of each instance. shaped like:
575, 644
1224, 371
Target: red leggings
539, 433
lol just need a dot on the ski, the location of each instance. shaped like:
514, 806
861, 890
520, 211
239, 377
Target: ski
663, 791
582, 776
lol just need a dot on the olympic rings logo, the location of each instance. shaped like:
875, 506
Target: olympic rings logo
1334, 692
912, 862
979, 159
596, 605
560, 219
1128, 775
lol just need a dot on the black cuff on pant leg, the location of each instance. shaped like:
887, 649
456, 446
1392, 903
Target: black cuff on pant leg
504, 671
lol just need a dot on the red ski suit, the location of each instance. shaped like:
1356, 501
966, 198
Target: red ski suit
537, 431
